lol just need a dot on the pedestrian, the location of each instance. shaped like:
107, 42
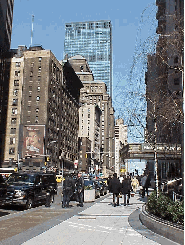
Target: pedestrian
115, 187
125, 189
147, 184
68, 189
79, 189
108, 182
143, 182
121, 178
135, 184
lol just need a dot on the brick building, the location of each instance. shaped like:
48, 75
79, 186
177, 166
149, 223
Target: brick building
42, 110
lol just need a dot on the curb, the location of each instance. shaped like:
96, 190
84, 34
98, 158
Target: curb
165, 229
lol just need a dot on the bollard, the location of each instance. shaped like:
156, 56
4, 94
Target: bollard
48, 200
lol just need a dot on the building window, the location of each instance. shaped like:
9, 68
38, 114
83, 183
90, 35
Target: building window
17, 64
16, 82
12, 141
12, 130
176, 59
17, 73
37, 110
15, 102
40, 59
14, 111
176, 81
30, 88
15, 92
37, 98
36, 119
13, 120
12, 151
81, 68
38, 88
89, 115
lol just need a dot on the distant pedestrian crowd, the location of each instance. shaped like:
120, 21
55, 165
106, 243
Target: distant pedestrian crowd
124, 185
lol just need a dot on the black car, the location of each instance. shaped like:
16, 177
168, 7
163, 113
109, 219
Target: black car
3, 190
28, 189
102, 187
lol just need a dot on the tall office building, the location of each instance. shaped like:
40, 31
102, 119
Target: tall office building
92, 40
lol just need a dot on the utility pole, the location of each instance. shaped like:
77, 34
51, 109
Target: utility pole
32, 30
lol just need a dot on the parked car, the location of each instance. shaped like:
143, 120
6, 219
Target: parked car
28, 189
102, 186
3, 190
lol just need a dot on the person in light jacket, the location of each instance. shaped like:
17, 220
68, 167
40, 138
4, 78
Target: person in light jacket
135, 184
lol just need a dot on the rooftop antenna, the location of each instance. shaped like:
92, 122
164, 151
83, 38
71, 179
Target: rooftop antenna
32, 29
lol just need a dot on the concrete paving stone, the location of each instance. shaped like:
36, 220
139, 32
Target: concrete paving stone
97, 225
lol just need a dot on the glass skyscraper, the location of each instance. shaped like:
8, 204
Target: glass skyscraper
92, 40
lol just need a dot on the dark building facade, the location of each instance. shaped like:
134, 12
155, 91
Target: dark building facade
164, 85
6, 17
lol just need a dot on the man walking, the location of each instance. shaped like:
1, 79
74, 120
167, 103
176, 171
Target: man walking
147, 184
80, 189
143, 183
114, 187
68, 189
125, 189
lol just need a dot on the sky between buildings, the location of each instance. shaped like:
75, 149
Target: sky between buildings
133, 22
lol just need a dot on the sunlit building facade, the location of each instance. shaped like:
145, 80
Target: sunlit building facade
92, 40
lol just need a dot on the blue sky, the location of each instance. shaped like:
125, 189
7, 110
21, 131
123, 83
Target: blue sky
130, 29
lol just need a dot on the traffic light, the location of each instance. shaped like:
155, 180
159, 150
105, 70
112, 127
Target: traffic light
47, 158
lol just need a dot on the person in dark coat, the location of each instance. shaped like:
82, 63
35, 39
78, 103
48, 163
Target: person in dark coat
143, 183
108, 182
125, 189
80, 189
115, 187
68, 189
147, 184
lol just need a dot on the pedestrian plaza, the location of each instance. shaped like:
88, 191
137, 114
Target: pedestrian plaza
102, 223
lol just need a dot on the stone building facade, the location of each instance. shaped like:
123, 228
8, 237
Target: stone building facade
47, 110
95, 93
121, 165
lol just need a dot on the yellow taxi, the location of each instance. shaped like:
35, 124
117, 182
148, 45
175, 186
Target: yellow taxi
59, 178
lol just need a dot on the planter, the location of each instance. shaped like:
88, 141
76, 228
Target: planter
165, 229
89, 195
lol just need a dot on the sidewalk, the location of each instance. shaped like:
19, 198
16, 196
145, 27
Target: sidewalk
100, 224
